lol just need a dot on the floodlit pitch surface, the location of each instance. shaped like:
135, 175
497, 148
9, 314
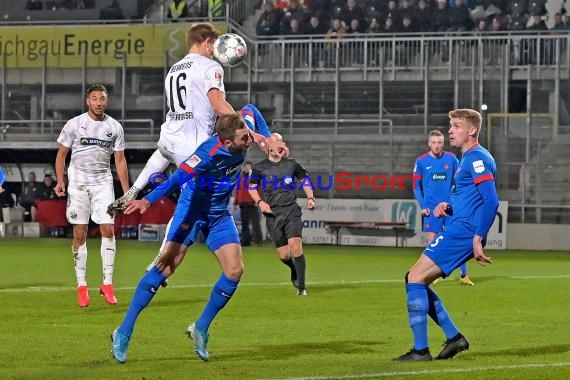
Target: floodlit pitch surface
350, 326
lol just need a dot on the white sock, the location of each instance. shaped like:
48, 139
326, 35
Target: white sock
80, 257
155, 164
108, 248
161, 249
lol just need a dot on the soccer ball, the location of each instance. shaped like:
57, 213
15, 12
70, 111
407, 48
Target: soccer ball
229, 49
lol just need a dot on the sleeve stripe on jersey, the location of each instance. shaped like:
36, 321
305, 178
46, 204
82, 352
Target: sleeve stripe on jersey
485, 177
184, 166
216, 147
246, 112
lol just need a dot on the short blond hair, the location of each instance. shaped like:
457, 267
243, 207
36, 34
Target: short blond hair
435, 132
471, 116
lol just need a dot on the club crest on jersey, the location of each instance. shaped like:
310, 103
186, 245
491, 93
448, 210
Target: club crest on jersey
478, 166
446, 166
218, 75
108, 133
194, 160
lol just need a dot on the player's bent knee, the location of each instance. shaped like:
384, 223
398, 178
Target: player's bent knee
234, 272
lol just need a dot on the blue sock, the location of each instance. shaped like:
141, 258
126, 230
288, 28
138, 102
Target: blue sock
146, 289
417, 313
438, 313
219, 297
463, 269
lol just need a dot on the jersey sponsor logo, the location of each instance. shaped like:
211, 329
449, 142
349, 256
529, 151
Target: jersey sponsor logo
232, 170
478, 166
439, 176
94, 141
193, 161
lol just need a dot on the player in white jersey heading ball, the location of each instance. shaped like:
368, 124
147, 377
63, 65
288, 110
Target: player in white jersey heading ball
93, 137
195, 95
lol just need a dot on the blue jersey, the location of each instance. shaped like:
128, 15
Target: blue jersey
2, 176
433, 178
215, 171
476, 166
210, 175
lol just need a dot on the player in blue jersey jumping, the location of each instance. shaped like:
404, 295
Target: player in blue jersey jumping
433, 175
472, 210
210, 175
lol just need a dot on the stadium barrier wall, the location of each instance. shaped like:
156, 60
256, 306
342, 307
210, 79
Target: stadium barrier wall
544, 237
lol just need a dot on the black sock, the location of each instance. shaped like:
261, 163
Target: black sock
289, 263
300, 266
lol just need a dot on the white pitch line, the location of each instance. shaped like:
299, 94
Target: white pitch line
190, 286
431, 372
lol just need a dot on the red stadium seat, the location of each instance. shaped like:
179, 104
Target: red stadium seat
51, 213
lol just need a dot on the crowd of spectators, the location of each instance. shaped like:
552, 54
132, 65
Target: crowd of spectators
340, 17
36, 5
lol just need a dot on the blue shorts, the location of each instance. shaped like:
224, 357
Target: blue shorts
218, 230
431, 223
451, 248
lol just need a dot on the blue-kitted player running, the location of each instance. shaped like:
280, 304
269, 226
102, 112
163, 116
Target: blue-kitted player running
473, 207
210, 175
433, 175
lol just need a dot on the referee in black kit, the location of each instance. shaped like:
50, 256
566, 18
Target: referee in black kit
272, 186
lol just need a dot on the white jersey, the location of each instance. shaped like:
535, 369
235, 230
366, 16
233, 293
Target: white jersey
190, 119
92, 143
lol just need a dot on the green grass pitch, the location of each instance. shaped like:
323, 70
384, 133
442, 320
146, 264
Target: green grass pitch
350, 326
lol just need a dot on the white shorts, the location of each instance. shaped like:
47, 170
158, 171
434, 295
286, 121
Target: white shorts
85, 201
176, 159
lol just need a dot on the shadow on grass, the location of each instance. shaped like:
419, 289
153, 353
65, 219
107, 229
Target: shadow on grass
286, 351
527, 351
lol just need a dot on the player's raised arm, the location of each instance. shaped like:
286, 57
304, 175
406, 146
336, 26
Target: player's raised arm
219, 103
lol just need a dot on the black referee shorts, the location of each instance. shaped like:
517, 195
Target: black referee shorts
284, 223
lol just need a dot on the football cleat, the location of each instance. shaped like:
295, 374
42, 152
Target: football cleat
415, 356
116, 207
452, 347
200, 339
466, 281
302, 292
83, 296
120, 346
108, 292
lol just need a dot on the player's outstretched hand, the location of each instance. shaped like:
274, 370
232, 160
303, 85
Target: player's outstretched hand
260, 140
479, 253
279, 147
141, 205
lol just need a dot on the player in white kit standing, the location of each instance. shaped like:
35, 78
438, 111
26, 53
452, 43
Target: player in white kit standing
93, 137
